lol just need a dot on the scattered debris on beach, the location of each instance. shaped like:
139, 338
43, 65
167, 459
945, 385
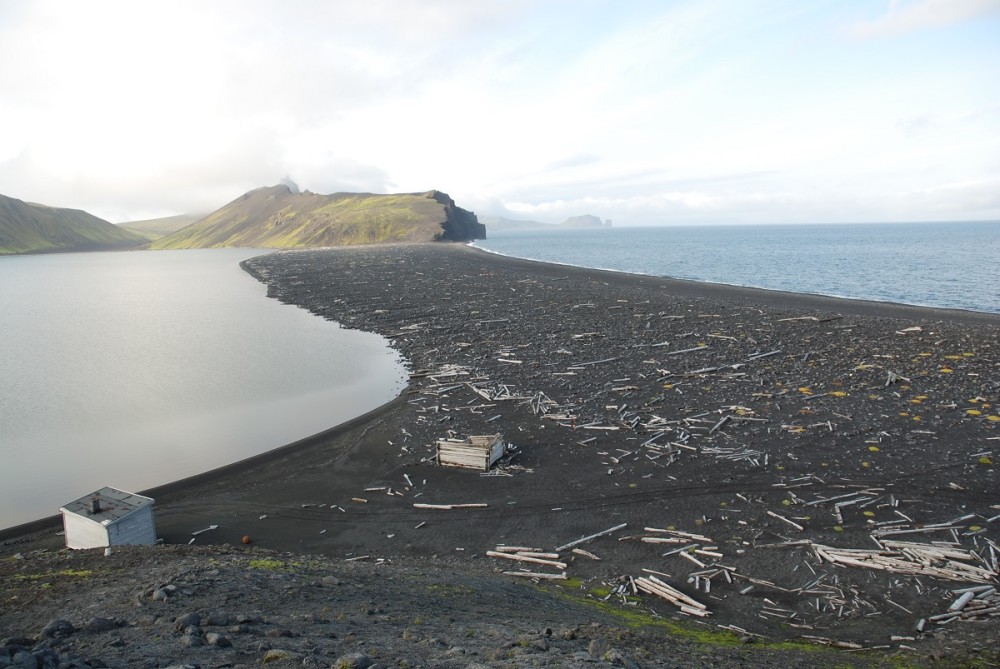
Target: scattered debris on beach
832, 462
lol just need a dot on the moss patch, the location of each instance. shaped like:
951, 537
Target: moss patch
269, 565
637, 618
68, 573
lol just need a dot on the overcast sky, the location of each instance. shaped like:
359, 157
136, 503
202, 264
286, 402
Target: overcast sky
708, 111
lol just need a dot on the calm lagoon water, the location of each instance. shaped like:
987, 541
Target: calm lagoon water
951, 265
135, 369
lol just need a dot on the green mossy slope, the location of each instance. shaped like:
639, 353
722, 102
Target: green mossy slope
277, 217
36, 228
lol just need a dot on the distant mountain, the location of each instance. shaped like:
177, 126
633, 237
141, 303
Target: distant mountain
154, 228
585, 221
281, 217
35, 228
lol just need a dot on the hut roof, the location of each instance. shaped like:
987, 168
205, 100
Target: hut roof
113, 504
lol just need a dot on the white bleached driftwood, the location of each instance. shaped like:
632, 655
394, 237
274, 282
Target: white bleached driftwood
654, 586
526, 558
592, 536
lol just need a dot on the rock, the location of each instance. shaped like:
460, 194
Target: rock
98, 625
218, 640
279, 655
191, 640
22, 659
619, 659
187, 620
330, 581
540, 644
246, 619
597, 648
58, 629
219, 619
22, 641
352, 661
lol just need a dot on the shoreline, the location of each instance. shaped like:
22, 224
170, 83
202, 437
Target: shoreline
775, 295
820, 276
182, 485
720, 284
698, 370
767, 296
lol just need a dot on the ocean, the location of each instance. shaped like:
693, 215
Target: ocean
138, 368
948, 265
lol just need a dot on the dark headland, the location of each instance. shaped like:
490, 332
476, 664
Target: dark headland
759, 432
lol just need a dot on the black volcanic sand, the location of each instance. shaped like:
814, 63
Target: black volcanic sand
772, 401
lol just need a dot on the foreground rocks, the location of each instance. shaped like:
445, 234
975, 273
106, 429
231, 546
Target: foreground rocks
236, 607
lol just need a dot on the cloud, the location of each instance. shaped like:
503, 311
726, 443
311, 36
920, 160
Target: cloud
689, 110
907, 17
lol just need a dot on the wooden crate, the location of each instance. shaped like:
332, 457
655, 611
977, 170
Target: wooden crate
474, 452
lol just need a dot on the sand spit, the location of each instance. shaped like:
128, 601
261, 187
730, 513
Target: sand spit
777, 466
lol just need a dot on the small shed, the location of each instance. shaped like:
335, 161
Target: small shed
474, 452
109, 517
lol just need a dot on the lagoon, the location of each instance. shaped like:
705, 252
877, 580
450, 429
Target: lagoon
135, 369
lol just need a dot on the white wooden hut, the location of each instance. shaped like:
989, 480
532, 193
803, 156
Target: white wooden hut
474, 452
109, 517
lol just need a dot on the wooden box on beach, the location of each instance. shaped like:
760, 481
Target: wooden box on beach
474, 452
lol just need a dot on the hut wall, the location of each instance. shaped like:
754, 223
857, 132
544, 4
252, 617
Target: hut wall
135, 528
83, 532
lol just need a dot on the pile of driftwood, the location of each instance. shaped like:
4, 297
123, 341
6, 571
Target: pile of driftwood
532, 556
944, 562
655, 586
539, 556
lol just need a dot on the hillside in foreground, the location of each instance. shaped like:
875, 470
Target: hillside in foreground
279, 217
26, 227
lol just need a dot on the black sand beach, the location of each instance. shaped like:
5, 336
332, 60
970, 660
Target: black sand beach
744, 426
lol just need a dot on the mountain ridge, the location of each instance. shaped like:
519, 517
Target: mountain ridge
281, 217
27, 227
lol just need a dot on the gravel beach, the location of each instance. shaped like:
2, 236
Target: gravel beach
805, 469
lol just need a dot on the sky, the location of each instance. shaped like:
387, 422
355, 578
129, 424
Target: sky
643, 112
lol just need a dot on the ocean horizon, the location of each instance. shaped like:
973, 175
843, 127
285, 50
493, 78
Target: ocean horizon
939, 265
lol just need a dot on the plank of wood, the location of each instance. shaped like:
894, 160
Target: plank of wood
522, 558
532, 574
592, 536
